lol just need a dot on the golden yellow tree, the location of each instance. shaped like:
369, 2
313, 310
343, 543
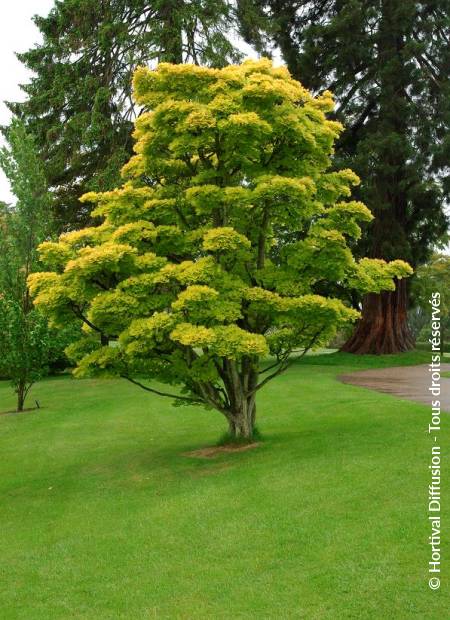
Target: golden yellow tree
217, 259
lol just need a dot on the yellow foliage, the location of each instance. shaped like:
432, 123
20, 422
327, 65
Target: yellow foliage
231, 219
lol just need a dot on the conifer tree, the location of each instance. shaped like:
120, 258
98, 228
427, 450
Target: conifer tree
185, 281
388, 65
79, 103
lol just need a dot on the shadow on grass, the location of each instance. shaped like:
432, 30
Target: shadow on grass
24, 411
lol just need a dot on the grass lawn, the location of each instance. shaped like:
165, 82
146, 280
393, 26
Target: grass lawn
103, 516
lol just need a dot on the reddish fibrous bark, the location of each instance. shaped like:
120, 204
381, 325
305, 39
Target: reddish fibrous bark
383, 328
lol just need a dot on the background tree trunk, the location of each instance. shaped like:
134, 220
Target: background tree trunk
383, 327
21, 394
171, 34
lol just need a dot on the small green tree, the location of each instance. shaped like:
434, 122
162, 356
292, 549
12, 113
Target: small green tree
212, 255
433, 277
24, 347
25, 342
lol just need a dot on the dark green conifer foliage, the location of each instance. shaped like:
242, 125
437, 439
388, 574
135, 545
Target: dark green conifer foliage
79, 103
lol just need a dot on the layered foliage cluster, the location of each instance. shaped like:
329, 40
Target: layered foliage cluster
227, 243
388, 64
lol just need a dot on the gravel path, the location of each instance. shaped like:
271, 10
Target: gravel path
408, 382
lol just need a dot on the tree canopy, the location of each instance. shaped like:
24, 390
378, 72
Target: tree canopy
388, 65
79, 104
27, 345
226, 250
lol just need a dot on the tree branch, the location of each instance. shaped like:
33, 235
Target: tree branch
153, 391
285, 364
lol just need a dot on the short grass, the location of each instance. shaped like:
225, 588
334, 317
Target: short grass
103, 517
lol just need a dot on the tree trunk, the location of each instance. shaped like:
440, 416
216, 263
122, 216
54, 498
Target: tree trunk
171, 36
21, 394
383, 327
242, 420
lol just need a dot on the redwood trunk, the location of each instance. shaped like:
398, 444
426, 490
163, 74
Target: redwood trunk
383, 327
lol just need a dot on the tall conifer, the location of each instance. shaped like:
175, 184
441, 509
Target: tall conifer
79, 103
